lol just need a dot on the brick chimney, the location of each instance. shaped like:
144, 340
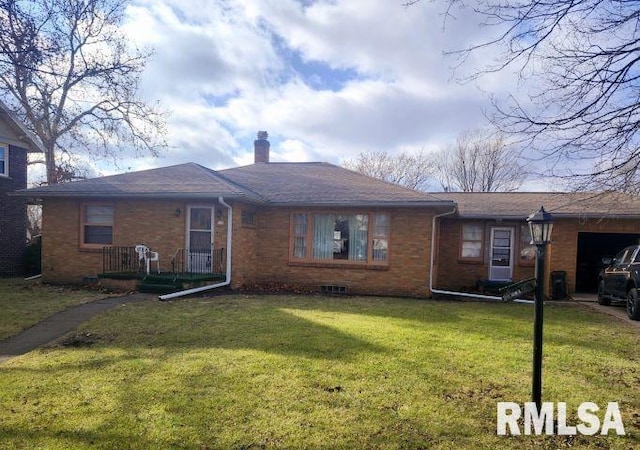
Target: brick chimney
261, 148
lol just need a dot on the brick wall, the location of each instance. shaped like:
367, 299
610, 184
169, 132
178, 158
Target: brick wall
150, 222
562, 253
260, 253
407, 272
245, 239
13, 221
455, 274
153, 223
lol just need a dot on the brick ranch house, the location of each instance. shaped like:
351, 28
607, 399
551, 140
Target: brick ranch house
487, 237
313, 225
15, 142
322, 228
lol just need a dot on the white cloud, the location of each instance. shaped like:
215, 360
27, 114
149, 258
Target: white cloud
327, 80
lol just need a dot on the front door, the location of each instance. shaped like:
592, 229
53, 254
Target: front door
200, 239
501, 263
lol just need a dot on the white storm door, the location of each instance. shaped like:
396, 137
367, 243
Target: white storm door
200, 230
501, 262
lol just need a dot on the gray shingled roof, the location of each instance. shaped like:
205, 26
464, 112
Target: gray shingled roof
273, 183
318, 183
323, 184
519, 205
181, 181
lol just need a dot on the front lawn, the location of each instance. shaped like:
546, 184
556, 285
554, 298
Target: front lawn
249, 372
24, 303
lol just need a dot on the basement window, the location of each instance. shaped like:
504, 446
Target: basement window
333, 289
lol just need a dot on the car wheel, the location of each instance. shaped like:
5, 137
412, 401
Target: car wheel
602, 300
633, 305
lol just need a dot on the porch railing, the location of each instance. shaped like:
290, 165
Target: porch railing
199, 261
120, 259
193, 261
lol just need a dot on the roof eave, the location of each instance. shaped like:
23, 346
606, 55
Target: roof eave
360, 204
33, 142
555, 216
142, 195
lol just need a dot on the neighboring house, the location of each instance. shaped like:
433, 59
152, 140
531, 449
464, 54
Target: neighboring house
311, 225
15, 142
487, 238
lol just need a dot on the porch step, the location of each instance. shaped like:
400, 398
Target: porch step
160, 288
160, 284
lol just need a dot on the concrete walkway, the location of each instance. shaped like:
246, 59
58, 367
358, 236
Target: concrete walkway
59, 324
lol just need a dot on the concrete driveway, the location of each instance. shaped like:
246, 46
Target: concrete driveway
617, 310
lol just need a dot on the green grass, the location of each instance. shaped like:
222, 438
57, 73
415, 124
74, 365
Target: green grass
244, 372
24, 303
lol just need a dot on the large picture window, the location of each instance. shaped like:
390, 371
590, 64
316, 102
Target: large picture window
340, 237
4, 160
97, 225
471, 241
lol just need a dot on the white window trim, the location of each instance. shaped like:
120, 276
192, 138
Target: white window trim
83, 223
473, 259
6, 160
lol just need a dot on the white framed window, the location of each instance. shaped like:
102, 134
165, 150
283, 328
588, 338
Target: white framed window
471, 242
96, 225
4, 160
350, 238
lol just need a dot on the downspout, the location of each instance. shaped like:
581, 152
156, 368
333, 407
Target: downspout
458, 294
227, 280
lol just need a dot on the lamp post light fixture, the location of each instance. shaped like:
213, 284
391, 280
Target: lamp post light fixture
540, 226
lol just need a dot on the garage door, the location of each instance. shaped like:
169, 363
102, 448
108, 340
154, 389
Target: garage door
591, 248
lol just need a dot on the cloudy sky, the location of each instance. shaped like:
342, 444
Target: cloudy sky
328, 79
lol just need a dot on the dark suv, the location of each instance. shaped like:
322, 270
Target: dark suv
620, 280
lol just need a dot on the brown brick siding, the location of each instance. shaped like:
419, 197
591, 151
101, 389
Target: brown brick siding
453, 274
260, 254
407, 272
244, 258
13, 219
563, 251
151, 222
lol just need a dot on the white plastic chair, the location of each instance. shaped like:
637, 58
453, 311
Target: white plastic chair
146, 255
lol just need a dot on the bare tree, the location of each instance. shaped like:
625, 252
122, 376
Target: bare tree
70, 74
579, 61
412, 171
479, 162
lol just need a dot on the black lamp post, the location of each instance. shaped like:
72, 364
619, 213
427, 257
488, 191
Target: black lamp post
540, 225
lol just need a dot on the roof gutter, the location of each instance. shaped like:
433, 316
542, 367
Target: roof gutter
227, 281
367, 204
492, 298
34, 193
